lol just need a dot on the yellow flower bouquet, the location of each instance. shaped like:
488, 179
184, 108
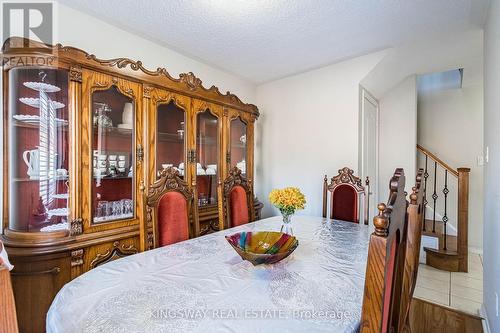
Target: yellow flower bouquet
287, 200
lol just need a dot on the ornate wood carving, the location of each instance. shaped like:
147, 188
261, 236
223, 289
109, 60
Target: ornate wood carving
344, 177
77, 257
150, 240
168, 180
186, 81
75, 73
234, 178
385, 265
146, 92
115, 252
76, 227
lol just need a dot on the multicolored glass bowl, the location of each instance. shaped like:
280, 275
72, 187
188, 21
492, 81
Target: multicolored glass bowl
263, 247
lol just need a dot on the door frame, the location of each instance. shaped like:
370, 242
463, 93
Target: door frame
365, 95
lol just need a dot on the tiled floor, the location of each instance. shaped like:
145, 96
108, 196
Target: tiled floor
461, 291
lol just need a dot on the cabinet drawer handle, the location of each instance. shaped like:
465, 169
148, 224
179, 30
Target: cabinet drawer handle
52, 271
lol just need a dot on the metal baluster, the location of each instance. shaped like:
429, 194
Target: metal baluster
445, 216
434, 197
426, 175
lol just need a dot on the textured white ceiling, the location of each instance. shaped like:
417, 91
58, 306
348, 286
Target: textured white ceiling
262, 40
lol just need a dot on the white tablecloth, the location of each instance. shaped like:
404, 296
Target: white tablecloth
202, 285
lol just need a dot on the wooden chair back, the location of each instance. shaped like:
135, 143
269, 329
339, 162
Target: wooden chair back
385, 264
236, 202
346, 190
8, 316
171, 211
415, 215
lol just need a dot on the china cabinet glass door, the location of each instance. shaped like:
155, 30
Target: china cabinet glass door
207, 151
38, 150
113, 158
171, 137
238, 144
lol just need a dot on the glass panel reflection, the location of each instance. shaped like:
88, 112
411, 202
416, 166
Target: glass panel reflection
170, 137
207, 148
38, 149
112, 160
239, 144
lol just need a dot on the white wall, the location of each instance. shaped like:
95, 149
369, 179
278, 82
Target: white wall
462, 50
491, 249
106, 41
398, 134
450, 124
309, 128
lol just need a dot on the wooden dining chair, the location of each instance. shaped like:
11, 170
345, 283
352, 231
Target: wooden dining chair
346, 190
415, 216
171, 211
385, 264
236, 200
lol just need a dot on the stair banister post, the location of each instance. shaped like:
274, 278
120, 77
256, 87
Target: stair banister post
463, 218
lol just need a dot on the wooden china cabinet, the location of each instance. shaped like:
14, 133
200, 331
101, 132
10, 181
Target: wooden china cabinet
83, 139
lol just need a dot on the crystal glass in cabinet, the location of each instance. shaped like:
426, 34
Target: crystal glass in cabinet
238, 141
171, 137
207, 150
113, 157
38, 149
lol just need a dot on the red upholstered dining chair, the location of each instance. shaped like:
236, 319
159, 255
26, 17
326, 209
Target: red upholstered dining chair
171, 211
236, 200
385, 264
346, 190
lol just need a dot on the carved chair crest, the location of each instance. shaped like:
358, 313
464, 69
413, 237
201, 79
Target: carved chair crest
235, 178
169, 180
346, 177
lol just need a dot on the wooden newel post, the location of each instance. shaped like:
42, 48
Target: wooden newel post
463, 218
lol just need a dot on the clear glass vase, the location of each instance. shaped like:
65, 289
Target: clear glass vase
286, 226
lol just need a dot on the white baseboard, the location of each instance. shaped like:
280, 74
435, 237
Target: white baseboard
484, 321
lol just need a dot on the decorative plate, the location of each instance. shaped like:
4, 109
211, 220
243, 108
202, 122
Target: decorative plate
263, 247
35, 102
42, 86
58, 212
34, 119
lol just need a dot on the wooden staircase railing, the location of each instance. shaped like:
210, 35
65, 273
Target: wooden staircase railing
452, 254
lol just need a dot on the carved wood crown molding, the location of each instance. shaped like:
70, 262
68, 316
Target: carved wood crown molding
169, 180
235, 178
346, 176
15, 46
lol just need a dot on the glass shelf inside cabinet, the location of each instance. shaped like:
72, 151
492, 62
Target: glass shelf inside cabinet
38, 150
238, 133
112, 158
171, 137
207, 150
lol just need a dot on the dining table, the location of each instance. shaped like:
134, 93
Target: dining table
203, 285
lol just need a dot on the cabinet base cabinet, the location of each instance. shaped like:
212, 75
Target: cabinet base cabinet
36, 281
